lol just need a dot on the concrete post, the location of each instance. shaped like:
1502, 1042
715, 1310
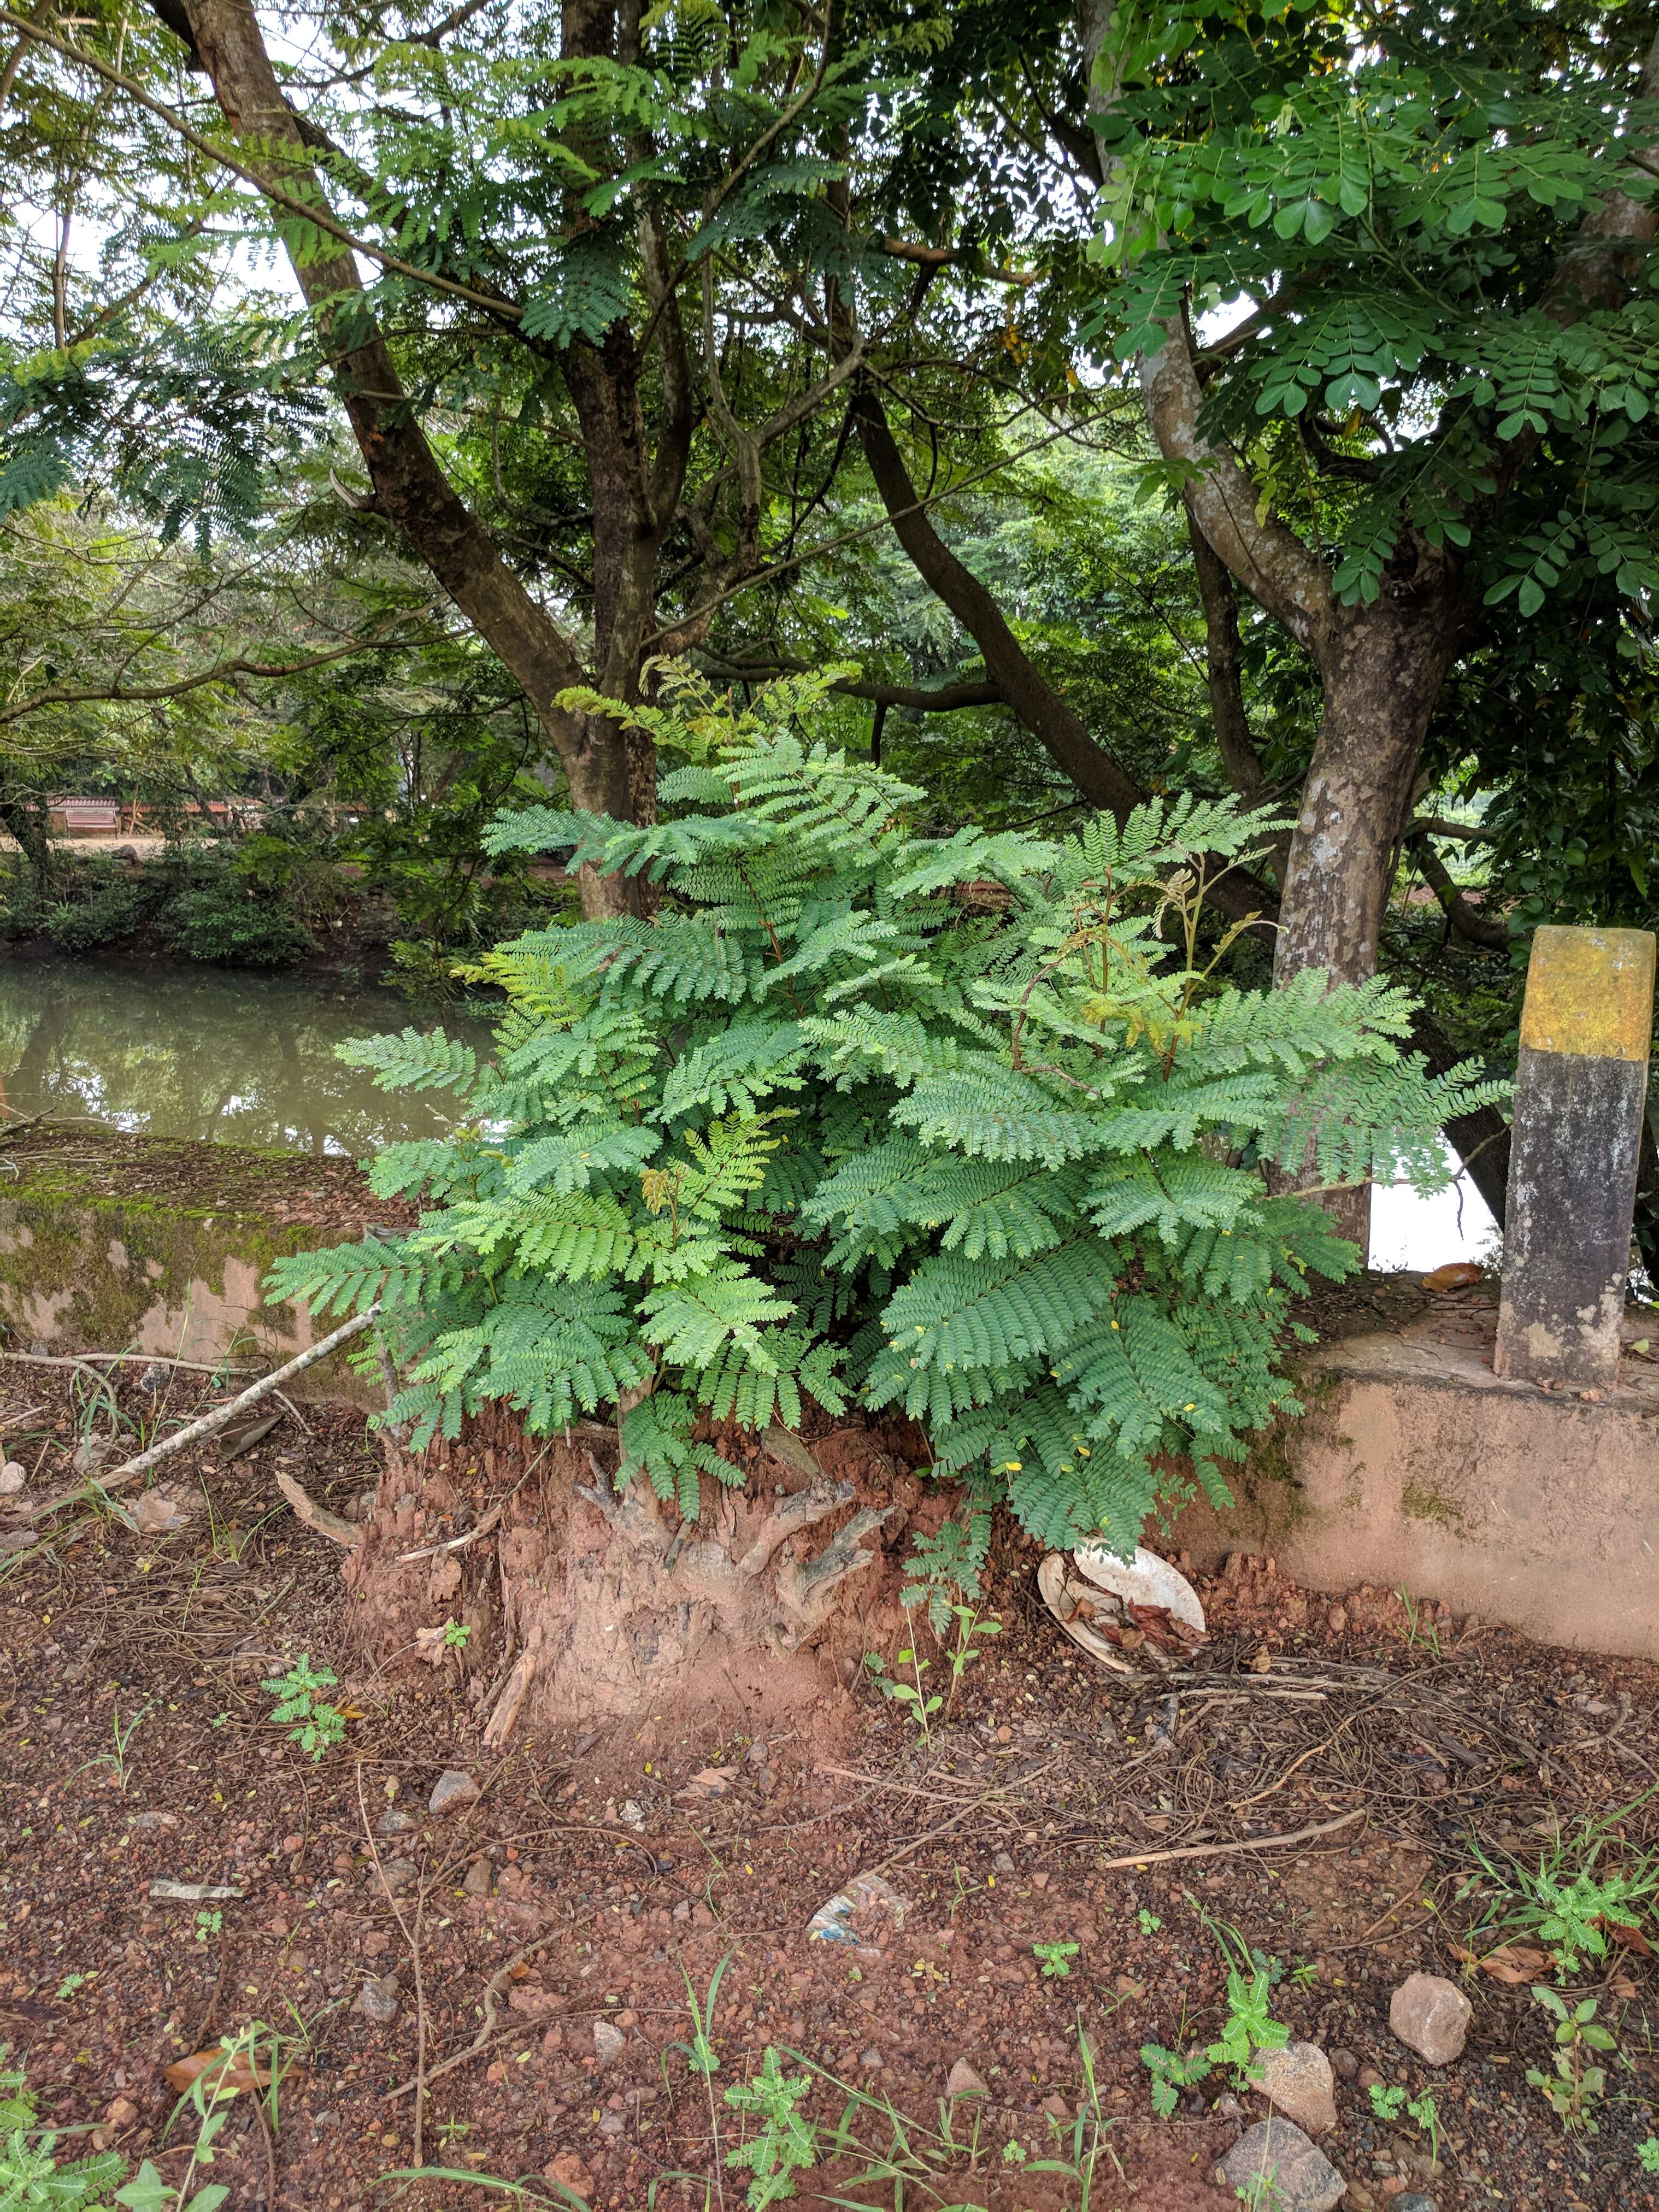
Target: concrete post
1580, 1093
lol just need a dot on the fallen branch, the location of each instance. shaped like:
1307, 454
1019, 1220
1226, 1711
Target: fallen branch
316, 1517
210, 1424
1222, 1851
149, 1359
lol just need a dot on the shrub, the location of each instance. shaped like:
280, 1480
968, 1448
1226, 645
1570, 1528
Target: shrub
829, 1127
220, 914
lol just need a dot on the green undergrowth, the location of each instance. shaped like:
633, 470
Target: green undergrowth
972, 1128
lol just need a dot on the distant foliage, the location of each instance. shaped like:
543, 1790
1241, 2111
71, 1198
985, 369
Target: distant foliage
829, 1128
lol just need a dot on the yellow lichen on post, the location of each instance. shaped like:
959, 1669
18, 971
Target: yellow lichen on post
1590, 991
1580, 1094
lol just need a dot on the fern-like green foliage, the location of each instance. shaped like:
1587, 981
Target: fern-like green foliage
822, 1131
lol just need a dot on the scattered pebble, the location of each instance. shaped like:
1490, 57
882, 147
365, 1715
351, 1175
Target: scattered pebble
964, 2082
379, 1999
394, 1823
13, 1477
1344, 2063
1431, 2016
1297, 2079
1297, 2175
454, 1789
479, 1881
609, 2041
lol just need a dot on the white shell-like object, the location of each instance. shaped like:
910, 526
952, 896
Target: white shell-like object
1144, 1580
1060, 1595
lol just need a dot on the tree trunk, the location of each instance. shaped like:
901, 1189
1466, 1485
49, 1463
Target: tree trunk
607, 768
1382, 670
580, 1605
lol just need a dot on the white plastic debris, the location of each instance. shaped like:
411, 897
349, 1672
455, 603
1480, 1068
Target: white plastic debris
1144, 1580
833, 1921
1110, 1612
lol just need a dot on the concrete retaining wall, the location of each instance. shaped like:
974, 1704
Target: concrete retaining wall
1416, 1466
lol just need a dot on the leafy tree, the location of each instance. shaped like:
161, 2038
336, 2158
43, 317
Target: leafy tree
832, 1128
598, 244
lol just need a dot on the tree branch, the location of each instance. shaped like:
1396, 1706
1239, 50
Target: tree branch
1490, 930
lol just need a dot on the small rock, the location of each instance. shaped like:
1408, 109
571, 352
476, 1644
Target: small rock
963, 2081
153, 1377
1336, 1620
1414, 2201
394, 1823
1004, 1863
757, 1755
13, 1477
614, 2124
157, 1821
292, 1843
568, 2170
1431, 2015
1227, 2107
454, 1789
609, 2041
1369, 2078
375, 1942
1301, 2178
399, 1872
1297, 2079
871, 2060
378, 1999
122, 2113
710, 1781
479, 1881
1344, 2064
631, 1814
1056, 2108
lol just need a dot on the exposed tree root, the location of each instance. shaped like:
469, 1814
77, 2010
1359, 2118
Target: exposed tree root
580, 1602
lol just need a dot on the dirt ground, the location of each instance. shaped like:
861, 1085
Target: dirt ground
538, 1949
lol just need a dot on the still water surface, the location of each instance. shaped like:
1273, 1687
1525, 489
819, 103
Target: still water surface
229, 1056
242, 1059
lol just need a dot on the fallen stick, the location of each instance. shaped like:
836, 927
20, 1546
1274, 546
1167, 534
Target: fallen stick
1249, 1843
149, 1358
210, 1424
316, 1517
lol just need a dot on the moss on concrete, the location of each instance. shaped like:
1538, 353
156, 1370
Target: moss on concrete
111, 1242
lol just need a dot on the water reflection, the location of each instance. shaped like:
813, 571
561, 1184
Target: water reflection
235, 1058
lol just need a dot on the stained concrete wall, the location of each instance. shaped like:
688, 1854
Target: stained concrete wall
1416, 1466
105, 1246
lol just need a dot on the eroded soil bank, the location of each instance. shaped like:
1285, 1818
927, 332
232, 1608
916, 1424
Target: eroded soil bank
561, 1914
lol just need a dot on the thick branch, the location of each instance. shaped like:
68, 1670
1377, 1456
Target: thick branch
410, 489
1487, 929
1056, 726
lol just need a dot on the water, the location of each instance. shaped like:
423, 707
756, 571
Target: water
243, 1059
1425, 1229
231, 1057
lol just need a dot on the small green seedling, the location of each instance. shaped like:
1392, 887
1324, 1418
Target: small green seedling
1055, 1958
911, 1695
1647, 2155
1389, 2100
458, 1634
319, 1724
1571, 2091
786, 2140
66, 1988
1172, 2071
208, 1924
30, 2174
1150, 1922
